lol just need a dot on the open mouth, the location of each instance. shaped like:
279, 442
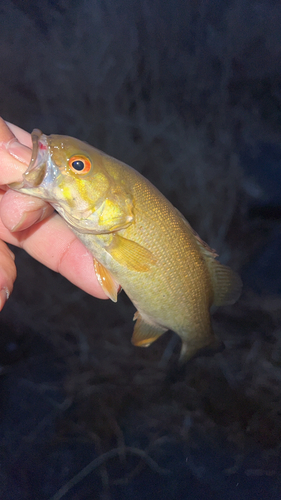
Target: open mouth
37, 168
36, 171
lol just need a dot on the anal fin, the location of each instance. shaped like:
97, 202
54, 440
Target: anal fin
145, 333
107, 282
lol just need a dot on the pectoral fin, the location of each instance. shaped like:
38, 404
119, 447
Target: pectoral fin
144, 334
130, 254
108, 284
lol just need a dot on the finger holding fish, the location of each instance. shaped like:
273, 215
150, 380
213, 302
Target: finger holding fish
15, 156
53, 244
11, 168
23, 137
8, 273
27, 222
17, 211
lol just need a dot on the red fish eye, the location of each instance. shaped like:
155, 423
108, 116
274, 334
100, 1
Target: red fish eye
80, 164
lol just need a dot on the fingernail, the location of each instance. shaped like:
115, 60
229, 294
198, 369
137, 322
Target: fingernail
4, 295
28, 219
19, 151
11, 253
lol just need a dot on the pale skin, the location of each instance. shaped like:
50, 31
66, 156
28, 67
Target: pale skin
32, 224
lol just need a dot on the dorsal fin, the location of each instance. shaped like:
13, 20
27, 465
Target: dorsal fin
204, 247
227, 285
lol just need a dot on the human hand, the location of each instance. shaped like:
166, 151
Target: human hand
32, 224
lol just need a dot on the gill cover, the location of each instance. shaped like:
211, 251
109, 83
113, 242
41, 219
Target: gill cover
72, 176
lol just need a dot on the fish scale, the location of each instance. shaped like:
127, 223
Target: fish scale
137, 238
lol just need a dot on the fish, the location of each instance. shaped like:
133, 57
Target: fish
138, 239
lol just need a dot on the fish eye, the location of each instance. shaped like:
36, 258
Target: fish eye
80, 164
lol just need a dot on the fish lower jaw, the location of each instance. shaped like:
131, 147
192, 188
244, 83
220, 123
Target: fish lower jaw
80, 225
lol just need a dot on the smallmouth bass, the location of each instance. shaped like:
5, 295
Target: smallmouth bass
138, 240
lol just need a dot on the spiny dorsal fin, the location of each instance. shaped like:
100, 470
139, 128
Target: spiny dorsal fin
227, 285
204, 247
144, 333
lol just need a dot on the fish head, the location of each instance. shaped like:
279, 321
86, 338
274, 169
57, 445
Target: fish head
71, 175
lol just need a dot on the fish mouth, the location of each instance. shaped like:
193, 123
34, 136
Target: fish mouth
38, 169
34, 176
39, 180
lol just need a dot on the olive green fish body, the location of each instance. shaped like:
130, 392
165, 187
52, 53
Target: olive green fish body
175, 292
137, 238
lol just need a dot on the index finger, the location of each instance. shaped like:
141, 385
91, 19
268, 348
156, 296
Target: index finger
22, 136
15, 157
51, 241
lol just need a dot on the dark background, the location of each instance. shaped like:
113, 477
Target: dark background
189, 93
